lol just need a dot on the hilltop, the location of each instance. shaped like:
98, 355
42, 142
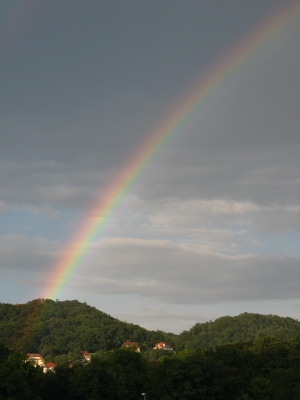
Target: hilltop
60, 327
246, 327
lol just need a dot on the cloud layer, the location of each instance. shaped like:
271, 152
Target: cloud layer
161, 270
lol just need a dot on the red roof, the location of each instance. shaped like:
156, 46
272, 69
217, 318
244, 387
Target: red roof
85, 353
34, 355
130, 344
50, 365
162, 345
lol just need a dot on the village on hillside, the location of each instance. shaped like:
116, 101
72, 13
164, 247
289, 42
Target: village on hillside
85, 357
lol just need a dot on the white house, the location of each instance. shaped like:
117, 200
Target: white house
85, 356
49, 366
36, 358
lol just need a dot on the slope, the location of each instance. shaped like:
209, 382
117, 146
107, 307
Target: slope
63, 327
246, 326
59, 327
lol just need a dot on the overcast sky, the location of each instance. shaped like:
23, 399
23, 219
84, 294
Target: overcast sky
211, 228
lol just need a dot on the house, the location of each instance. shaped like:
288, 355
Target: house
85, 356
49, 366
131, 345
36, 358
163, 346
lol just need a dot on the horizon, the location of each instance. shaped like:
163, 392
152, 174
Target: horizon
198, 322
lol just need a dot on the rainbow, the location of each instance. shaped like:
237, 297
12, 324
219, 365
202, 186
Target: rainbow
158, 139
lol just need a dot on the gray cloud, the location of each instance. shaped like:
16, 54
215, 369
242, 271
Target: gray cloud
3, 207
171, 273
166, 317
98, 124
52, 183
159, 270
244, 149
225, 213
21, 254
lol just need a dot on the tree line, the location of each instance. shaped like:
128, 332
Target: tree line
54, 328
267, 368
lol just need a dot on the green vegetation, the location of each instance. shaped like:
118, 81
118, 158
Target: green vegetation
60, 329
248, 357
65, 327
245, 326
266, 369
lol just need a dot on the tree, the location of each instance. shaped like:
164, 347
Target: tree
19, 379
128, 371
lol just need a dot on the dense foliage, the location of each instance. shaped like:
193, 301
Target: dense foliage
61, 327
266, 369
245, 326
57, 328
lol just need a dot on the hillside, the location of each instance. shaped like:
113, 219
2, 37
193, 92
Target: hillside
246, 326
61, 327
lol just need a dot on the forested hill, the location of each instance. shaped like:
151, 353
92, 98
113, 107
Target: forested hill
61, 327
246, 326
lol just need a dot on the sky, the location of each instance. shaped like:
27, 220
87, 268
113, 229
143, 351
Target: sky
211, 226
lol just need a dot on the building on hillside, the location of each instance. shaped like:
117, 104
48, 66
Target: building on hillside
85, 356
131, 345
49, 366
36, 358
163, 346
